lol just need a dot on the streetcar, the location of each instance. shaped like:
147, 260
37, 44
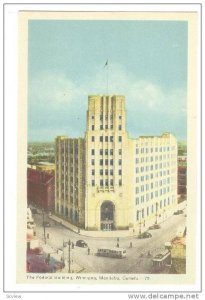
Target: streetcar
161, 261
111, 252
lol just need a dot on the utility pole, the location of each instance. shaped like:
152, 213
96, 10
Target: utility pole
44, 228
140, 224
69, 243
156, 212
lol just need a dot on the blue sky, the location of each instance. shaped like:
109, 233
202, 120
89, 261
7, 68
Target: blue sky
147, 64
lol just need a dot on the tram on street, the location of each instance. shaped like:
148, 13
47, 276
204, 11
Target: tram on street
161, 261
111, 252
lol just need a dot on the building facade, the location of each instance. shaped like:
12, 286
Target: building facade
122, 183
182, 175
41, 189
70, 179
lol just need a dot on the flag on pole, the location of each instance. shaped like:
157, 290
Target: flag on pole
106, 64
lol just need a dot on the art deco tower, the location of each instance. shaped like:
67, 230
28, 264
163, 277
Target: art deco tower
107, 201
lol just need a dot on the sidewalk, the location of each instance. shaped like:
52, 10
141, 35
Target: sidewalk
114, 233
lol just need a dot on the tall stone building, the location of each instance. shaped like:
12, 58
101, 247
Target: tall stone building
70, 179
121, 183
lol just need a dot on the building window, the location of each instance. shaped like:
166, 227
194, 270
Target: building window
119, 138
106, 182
137, 200
120, 117
93, 172
106, 172
111, 162
120, 151
106, 151
93, 127
92, 162
111, 126
101, 182
137, 151
101, 151
101, 162
101, 127
120, 172
92, 138
137, 190
111, 182
93, 151
111, 138
101, 138
120, 127
101, 117
106, 138
93, 117
106, 162
106, 126
111, 172
101, 171
93, 182
111, 151
120, 182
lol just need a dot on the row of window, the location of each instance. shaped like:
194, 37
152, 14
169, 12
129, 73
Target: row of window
72, 214
154, 149
157, 183
152, 194
152, 167
106, 172
140, 214
152, 158
106, 151
93, 127
106, 162
106, 117
106, 182
106, 138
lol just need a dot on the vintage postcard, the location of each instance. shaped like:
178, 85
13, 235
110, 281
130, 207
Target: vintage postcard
107, 144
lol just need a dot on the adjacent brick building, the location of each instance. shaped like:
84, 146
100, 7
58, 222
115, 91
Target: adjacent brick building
41, 189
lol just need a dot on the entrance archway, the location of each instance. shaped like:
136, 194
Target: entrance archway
107, 212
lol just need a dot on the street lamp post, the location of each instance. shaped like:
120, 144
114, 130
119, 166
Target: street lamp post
140, 222
69, 243
118, 240
156, 212
44, 227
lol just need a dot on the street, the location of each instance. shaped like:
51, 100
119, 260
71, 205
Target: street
136, 260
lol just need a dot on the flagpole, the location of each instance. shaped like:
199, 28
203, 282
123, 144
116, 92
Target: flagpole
107, 75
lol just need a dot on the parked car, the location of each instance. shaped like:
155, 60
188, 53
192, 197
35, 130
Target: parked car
31, 225
144, 235
81, 243
34, 211
155, 226
178, 212
46, 224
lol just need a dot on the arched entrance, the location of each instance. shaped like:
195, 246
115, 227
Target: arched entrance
107, 215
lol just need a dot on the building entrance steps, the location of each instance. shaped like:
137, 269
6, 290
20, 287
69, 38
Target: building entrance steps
94, 233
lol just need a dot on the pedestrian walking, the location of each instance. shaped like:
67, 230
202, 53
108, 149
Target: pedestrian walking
88, 251
130, 244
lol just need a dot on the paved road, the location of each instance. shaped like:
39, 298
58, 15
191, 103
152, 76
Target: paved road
133, 263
